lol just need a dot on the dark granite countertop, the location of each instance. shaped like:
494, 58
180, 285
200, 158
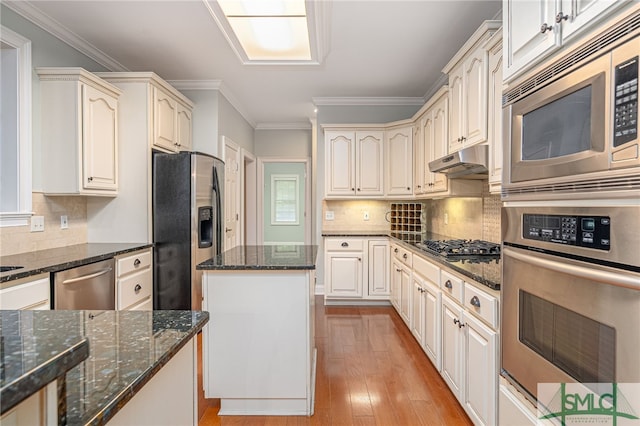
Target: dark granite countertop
32, 356
271, 257
126, 349
355, 233
58, 259
487, 272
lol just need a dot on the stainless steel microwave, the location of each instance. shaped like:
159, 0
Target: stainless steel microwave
579, 133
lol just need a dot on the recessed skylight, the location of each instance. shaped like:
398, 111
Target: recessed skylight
269, 31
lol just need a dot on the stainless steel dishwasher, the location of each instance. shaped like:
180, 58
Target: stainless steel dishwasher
89, 286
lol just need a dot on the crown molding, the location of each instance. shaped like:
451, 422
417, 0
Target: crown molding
55, 28
283, 126
442, 80
363, 101
217, 85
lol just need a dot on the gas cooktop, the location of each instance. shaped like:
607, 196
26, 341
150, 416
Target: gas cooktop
461, 248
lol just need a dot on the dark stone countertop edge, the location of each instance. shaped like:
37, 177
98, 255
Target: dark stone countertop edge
32, 381
249, 258
209, 266
443, 261
348, 234
30, 271
117, 403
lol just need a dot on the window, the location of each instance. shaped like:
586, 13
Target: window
15, 129
284, 200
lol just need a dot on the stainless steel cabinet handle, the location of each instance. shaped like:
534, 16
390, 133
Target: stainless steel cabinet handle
137, 288
448, 284
545, 27
561, 17
136, 262
345, 244
87, 277
475, 301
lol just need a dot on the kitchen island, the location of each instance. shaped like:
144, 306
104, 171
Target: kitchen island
261, 358
134, 359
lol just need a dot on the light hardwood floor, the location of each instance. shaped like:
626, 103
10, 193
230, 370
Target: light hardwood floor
370, 371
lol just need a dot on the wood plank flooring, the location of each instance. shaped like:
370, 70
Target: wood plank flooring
370, 371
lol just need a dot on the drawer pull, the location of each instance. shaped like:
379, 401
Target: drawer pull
395, 250
136, 262
137, 288
345, 244
448, 284
404, 256
475, 301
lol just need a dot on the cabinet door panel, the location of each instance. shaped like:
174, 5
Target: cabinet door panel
432, 330
396, 278
494, 130
369, 165
481, 378
525, 41
452, 346
439, 142
340, 163
582, 14
405, 295
475, 69
99, 139
417, 314
399, 174
456, 114
184, 128
379, 269
165, 124
345, 274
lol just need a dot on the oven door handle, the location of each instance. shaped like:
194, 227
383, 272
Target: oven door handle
618, 279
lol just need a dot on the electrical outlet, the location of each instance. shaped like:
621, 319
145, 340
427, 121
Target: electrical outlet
37, 223
328, 215
64, 223
365, 216
446, 218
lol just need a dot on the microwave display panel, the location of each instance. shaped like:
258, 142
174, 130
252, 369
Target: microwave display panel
626, 107
558, 128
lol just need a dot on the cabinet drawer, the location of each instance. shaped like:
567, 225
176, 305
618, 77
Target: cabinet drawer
133, 262
426, 269
452, 285
481, 304
32, 294
403, 255
134, 288
346, 244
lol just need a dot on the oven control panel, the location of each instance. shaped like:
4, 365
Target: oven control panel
626, 102
583, 231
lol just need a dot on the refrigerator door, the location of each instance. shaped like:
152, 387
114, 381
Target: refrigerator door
185, 226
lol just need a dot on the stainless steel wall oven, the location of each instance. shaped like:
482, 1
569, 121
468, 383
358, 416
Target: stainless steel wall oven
570, 295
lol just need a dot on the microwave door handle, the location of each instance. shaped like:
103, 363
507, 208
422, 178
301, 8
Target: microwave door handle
605, 277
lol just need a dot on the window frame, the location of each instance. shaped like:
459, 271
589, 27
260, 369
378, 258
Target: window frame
275, 178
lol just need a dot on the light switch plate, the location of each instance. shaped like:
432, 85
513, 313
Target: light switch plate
328, 215
365, 216
64, 222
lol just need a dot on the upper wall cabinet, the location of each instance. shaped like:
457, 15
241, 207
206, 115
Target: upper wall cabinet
79, 133
494, 130
399, 153
533, 29
172, 122
354, 162
468, 82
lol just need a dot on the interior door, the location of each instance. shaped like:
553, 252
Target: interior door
231, 194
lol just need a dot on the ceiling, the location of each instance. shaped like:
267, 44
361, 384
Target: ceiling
378, 51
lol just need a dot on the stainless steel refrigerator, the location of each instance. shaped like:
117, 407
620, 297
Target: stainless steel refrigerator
187, 225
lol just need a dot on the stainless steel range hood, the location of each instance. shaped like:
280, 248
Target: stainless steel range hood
468, 163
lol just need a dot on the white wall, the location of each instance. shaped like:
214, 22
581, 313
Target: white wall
233, 125
205, 120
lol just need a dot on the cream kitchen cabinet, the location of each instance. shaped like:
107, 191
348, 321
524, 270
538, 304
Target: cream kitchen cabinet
426, 324
534, 29
354, 162
356, 268
494, 131
26, 293
134, 280
468, 83
419, 166
470, 348
399, 155
401, 264
80, 126
128, 216
172, 121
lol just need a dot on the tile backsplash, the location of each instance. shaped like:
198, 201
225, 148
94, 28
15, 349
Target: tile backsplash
20, 239
468, 218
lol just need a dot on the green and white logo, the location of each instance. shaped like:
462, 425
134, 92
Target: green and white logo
616, 404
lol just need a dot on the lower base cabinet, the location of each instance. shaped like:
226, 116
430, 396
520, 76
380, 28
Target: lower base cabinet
514, 409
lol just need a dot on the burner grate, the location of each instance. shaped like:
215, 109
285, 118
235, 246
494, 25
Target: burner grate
461, 247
